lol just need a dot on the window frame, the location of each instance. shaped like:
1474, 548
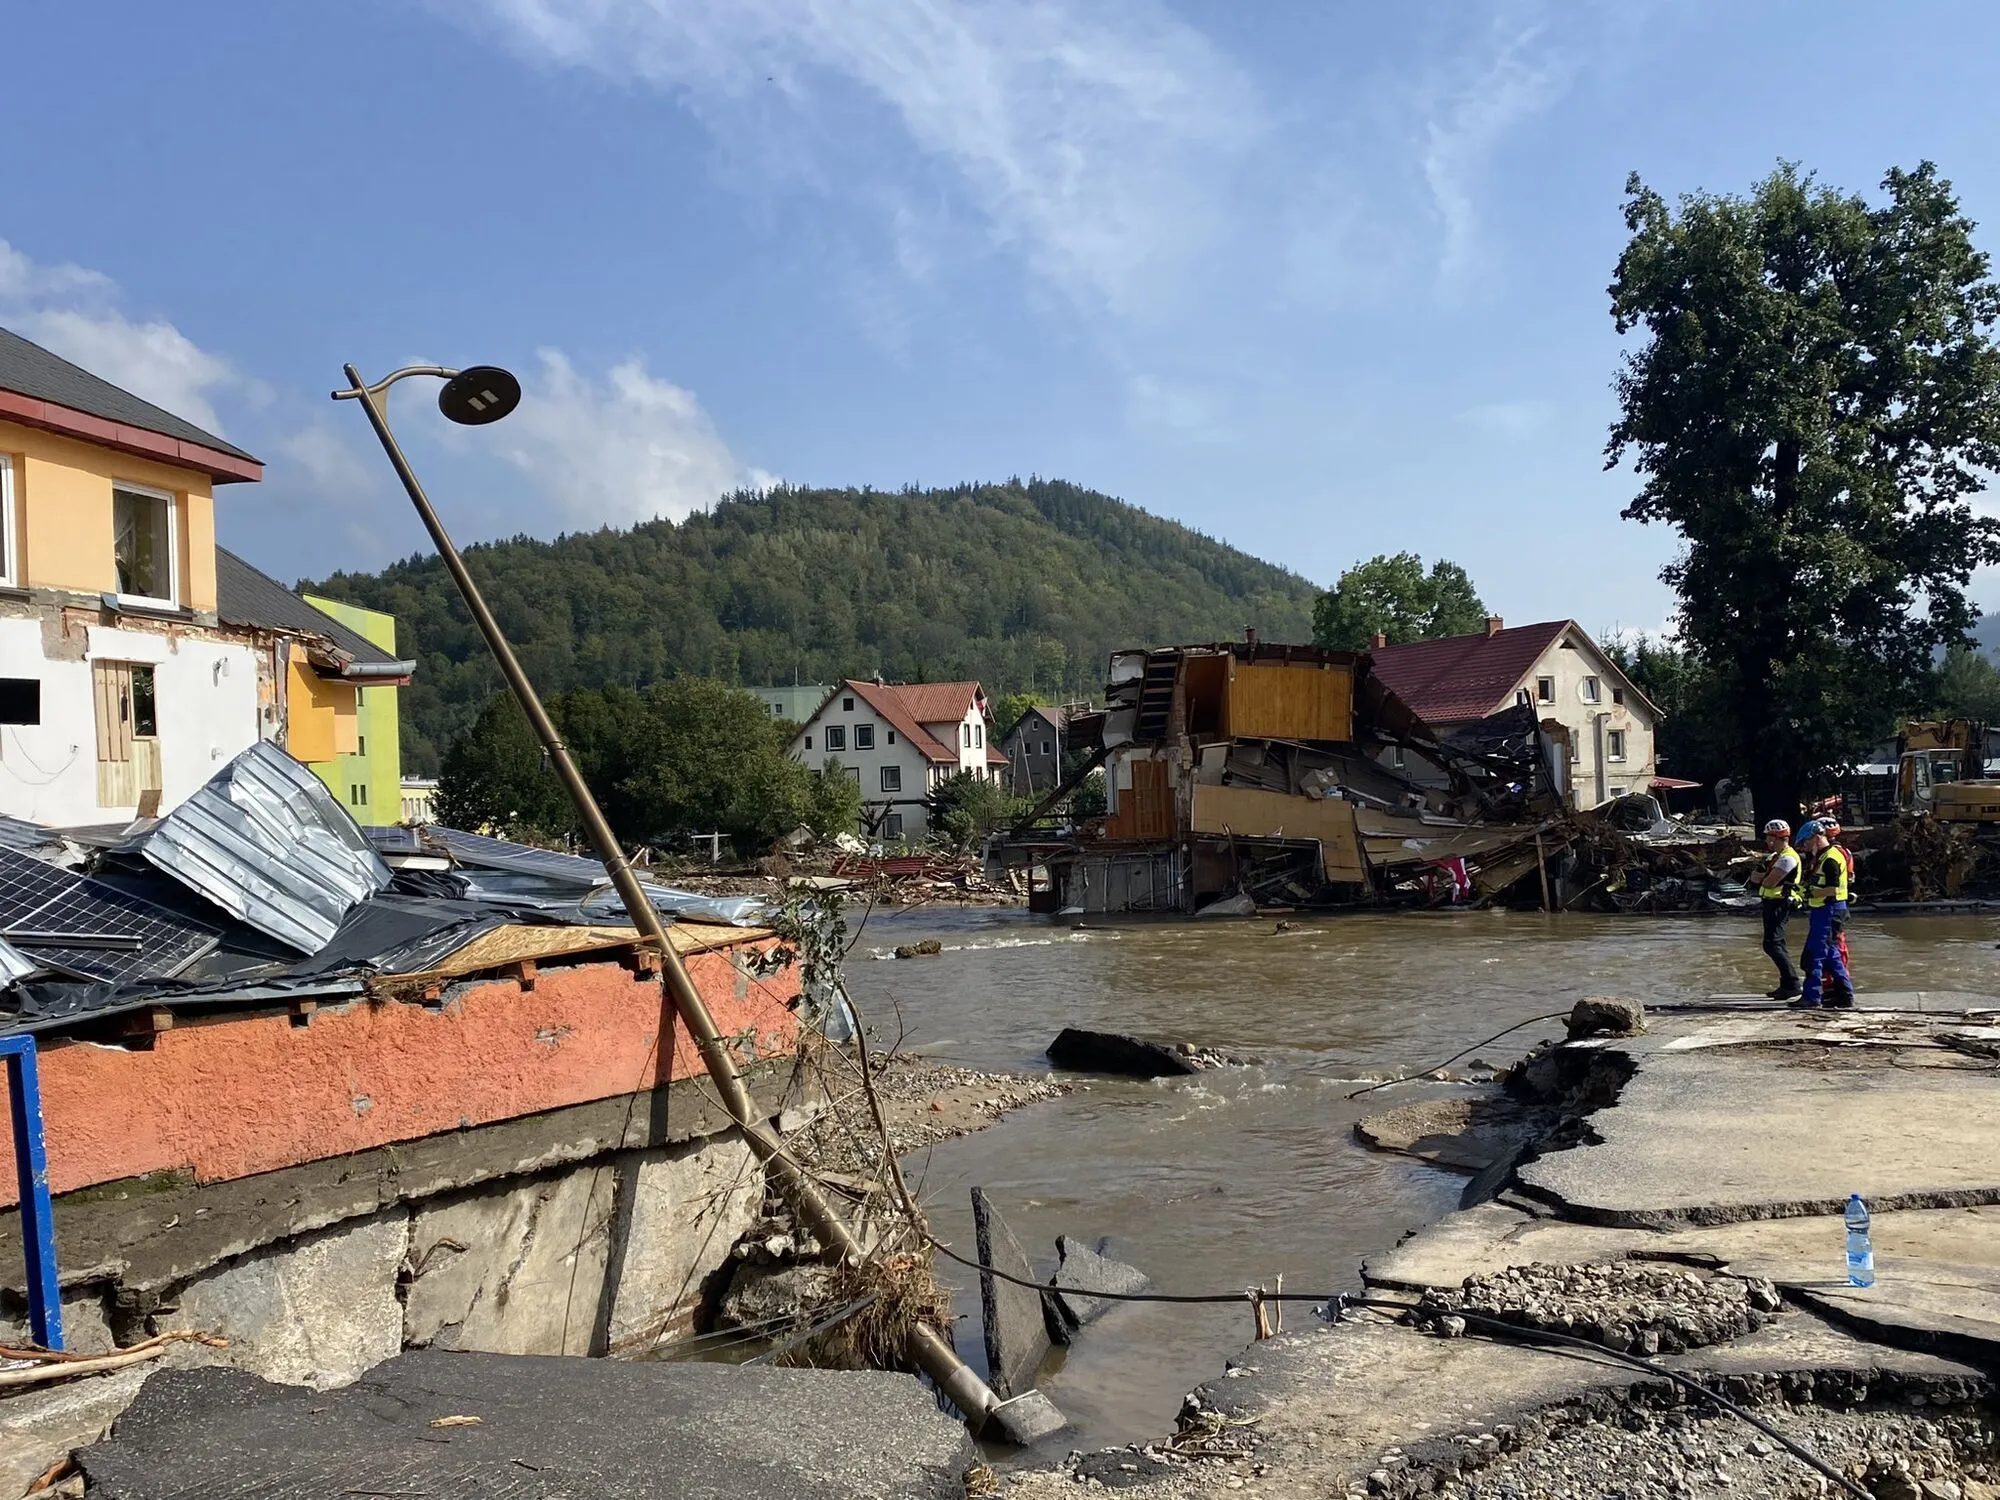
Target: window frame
891, 779
1548, 696
892, 826
172, 598
864, 736
836, 738
1591, 690
1614, 745
10, 536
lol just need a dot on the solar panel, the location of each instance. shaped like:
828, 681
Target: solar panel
53, 917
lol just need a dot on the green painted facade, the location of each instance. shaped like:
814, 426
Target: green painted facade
370, 784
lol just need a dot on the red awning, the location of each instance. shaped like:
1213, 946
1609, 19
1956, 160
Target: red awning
1673, 784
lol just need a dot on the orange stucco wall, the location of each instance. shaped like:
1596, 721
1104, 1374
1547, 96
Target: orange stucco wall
320, 714
62, 500
230, 1098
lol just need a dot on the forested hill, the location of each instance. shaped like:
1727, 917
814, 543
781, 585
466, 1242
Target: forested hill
1013, 584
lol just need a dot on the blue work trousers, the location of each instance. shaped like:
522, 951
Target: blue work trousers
1823, 950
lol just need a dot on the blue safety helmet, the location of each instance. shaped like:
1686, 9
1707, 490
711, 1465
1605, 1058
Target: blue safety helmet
1808, 831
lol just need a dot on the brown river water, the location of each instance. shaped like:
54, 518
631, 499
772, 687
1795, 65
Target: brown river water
1232, 1177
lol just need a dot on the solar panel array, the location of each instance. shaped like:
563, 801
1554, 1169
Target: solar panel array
39, 901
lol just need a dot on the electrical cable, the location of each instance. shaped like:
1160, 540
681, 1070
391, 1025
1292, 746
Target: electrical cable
1554, 1015
841, 1315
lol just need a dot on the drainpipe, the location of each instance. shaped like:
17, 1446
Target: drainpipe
1597, 723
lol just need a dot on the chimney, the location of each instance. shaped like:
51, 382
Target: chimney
1377, 641
1494, 624
1250, 634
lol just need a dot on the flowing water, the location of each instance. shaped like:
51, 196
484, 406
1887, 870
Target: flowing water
1228, 1178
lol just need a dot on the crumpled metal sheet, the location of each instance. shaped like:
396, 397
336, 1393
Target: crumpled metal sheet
266, 841
14, 964
578, 889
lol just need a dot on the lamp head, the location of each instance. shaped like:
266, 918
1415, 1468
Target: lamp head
478, 395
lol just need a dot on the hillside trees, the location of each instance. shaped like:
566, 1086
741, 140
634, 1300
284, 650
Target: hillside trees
1811, 406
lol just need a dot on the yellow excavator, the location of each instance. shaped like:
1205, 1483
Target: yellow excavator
1941, 770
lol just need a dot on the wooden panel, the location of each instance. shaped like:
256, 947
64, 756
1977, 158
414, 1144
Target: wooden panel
1277, 702
1146, 808
111, 686
1251, 813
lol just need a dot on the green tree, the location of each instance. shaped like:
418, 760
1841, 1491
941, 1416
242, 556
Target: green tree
1690, 738
1814, 399
496, 779
966, 807
1396, 598
1968, 686
1008, 710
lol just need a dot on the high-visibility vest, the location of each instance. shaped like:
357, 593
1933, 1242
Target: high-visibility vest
1829, 881
1781, 877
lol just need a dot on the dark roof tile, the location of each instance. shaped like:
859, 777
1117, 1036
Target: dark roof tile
246, 596
30, 370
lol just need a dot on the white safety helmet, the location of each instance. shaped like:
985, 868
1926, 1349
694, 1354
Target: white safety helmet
1778, 825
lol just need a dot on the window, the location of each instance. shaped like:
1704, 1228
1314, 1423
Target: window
7, 569
1521, 698
864, 736
1592, 692
892, 778
1545, 689
892, 736
892, 826
1618, 696
361, 744
1396, 757
847, 705
128, 727
357, 794
965, 736
1575, 750
142, 530
20, 700
836, 736
809, 742
853, 774
1614, 744
979, 736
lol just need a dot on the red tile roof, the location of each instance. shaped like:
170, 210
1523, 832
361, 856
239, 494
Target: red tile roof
909, 707
1464, 677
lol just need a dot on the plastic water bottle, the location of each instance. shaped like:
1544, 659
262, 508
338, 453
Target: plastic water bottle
1860, 1249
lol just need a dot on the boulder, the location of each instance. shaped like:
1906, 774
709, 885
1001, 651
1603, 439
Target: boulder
1113, 1052
1612, 1015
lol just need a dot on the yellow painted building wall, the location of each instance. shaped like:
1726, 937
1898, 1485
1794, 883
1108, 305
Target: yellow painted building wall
320, 718
62, 514
369, 781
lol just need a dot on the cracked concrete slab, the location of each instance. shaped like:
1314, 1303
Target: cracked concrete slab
547, 1427
1717, 1134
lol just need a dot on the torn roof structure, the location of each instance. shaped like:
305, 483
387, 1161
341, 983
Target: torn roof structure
261, 886
1255, 774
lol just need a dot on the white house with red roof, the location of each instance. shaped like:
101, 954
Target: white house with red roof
1553, 667
899, 740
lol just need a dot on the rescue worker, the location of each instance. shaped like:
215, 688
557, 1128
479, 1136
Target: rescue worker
1778, 890
1826, 904
1831, 827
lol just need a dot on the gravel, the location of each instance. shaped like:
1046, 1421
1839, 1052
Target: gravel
1643, 1307
923, 1102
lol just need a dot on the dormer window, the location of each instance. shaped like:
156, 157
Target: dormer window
144, 544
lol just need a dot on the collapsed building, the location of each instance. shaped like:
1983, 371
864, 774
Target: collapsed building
1241, 775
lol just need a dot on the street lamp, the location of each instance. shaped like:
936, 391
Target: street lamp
474, 397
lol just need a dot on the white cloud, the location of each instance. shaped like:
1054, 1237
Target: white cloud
1515, 79
327, 459
625, 449
72, 311
1095, 139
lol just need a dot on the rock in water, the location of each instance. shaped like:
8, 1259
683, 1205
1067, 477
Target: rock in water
1612, 1014
1112, 1052
1083, 1271
1016, 1319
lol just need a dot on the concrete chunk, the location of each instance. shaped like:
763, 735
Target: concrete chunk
1082, 1271
1017, 1323
1113, 1052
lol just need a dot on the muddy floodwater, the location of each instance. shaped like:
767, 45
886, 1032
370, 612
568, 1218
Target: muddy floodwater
1233, 1177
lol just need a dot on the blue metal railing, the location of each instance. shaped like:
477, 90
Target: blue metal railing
31, 1166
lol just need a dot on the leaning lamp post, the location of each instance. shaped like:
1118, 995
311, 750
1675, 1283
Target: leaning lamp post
474, 397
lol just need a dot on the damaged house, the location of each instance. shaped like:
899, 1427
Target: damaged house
1247, 775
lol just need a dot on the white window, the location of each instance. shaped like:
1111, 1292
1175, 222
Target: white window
1545, 689
892, 826
979, 736
965, 736
836, 736
145, 544
1592, 691
1575, 749
1614, 744
892, 778
1396, 757
864, 736
8, 570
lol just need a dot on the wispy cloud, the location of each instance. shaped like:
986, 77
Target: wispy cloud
1094, 138
74, 312
1476, 104
628, 448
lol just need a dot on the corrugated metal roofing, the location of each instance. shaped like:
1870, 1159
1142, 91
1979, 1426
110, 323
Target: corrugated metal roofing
266, 841
31, 370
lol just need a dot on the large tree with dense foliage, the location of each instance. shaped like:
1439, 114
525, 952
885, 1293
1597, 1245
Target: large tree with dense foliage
686, 756
1814, 399
1022, 586
1394, 597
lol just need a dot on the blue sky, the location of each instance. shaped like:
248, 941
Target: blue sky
1320, 279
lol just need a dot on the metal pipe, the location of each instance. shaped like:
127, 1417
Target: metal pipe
930, 1352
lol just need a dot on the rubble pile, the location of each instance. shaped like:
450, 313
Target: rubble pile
1695, 1454
1645, 1308
922, 1103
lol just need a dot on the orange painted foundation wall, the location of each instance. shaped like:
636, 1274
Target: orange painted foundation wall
229, 1098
